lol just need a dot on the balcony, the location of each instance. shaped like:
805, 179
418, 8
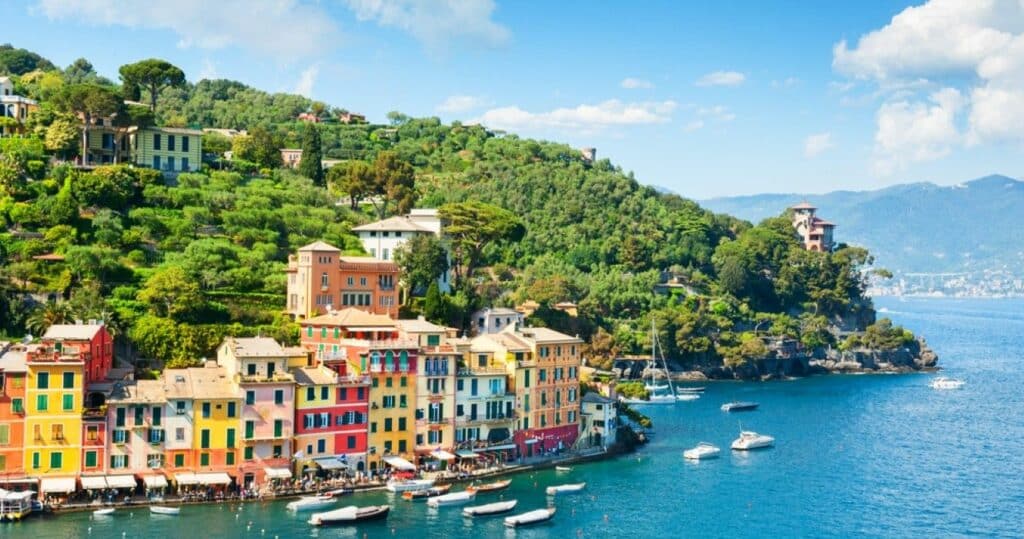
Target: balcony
480, 420
482, 371
278, 377
95, 413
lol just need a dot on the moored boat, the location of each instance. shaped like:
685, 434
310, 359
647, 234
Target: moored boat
161, 510
565, 489
687, 396
454, 498
490, 487
103, 512
310, 503
431, 492
943, 382
337, 492
530, 517
409, 484
699, 389
739, 406
752, 440
563, 468
350, 514
495, 508
703, 451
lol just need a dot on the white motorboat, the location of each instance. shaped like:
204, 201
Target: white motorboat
565, 489
946, 383
752, 440
703, 451
683, 397
563, 468
454, 498
495, 508
311, 503
655, 387
409, 484
349, 514
161, 510
530, 517
103, 512
690, 389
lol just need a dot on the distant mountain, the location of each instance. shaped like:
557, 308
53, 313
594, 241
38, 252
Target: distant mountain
918, 227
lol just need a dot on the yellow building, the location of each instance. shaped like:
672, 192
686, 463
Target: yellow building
217, 408
53, 419
391, 365
168, 149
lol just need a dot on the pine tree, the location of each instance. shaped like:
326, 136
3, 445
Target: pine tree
433, 304
311, 166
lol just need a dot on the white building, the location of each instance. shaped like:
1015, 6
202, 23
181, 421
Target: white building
381, 238
484, 408
495, 319
598, 420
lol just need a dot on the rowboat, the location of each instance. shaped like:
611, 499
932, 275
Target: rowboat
490, 487
161, 510
337, 492
495, 508
563, 468
565, 489
431, 492
409, 484
349, 514
454, 498
103, 512
310, 503
530, 517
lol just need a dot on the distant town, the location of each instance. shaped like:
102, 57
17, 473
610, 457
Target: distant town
979, 284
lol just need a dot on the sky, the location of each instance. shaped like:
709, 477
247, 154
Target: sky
703, 98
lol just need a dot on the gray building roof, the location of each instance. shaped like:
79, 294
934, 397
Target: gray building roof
83, 332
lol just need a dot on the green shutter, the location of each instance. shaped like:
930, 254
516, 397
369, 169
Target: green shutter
278, 428
35, 460
204, 459
120, 417
231, 438
56, 460
204, 439
69, 380
41, 403
229, 458
5, 434
90, 459
69, 402
179, 460
248, 453
43, 380
250, 429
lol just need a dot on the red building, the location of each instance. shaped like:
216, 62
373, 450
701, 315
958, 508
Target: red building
91, 343
331, 413
12, 414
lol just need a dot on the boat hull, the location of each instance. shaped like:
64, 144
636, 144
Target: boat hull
565, 489
490, 509
702, 453
403, 486
157, 510
532, 517
349, 515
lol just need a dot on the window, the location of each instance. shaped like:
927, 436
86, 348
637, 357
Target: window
278, 396
247, 453
5, 434
373, 426
321, 446
157, 413
401, 446
139, 415
204, 439
170, 143
351, 442
231, 409
360, 393
69, 380
387, 446
41, 403
206, 410
119, 436
184, 148
362, 281
156, 162
473, 386
204, 459
323, 280
180, 407
56, 460
459, 384
403, 382
43, 380
154, 461
401, 401
68, 403
384, 253
250, 396
118, 461
387, 424
17, 406
90, 459
250, 429
229, 459
278, 428
401, 424
156, 141
310, 393
179, 460
184, 160
325, 393
35, 460
179, 434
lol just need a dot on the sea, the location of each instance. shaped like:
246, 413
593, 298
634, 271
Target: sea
855, 455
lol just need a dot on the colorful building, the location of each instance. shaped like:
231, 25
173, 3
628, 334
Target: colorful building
171, 150
13, 371
485, 401
321, 280
435, 402
137, 418
815, 232
331, 417
216, 438
179, 456
598, 420
489, 355
556, 409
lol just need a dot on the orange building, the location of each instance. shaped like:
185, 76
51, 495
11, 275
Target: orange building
12, 413
321, 279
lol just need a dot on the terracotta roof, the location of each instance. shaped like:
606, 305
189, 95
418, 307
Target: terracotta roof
72, 331
319, 246
353, 318
418, 325
822, 222
547, 335
804, 206
366, 263
398, 223
254, 347
314, 376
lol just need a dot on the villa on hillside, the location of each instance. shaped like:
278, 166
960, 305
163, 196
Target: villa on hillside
382, 238
320, 279
13, 106
815, 231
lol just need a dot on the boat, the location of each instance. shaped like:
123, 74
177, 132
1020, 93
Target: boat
454, 498
530, 517
409, 484
752, 440
337, 492
657, 393
489, 509
739, 406
565, 489
311, 503
563, 468
490, 487
349, 514
655, 387
943, 382
687, 397
690, 389
161, 510
103, 512
703, 451
426, 493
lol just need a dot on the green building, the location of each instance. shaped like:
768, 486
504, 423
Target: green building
170, 149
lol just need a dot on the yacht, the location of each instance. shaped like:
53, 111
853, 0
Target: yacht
738, 406
657, 393
752, 440
703, 451
946, 383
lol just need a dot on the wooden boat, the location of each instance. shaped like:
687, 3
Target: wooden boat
311, 503
103, 512
424, 494
563, 468
489, 509
161, 510
350, 514
409, 484
530, 517
454, 498
490, 487
565, 489
337, 492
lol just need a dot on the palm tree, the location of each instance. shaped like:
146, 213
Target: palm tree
48, 314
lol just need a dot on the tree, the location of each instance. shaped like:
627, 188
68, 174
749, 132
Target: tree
12, 173
81, 70
62, 137
434, 304
311, 164
216, 144
127, 117
422, 260
471, 226
152, 75
171, 292
354, 178
397, 118
259, 146
89, 101
48, 314
394, 183
20, 61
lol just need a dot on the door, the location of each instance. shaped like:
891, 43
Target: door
270, 370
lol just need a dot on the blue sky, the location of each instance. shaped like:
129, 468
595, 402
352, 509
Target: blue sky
704, 98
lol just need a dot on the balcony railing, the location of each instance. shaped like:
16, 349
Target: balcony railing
262, 378
481, 371
480, 420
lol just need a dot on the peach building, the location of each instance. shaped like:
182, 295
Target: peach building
320, 279
815, 231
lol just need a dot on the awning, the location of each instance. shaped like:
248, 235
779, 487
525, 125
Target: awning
399, 463
96, 482
185, 478
532, 441
120, 481
213, 478
502, 447
278, 473
330, 463
58, 485
441, 454
463, 454
154, 481
21, 481
16, 496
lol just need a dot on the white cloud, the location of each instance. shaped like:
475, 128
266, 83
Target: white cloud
694, 125
435, 23
209, 71
910, 132
284, 29
722, 78
817, 143
631, 83
306, 81
583, 118
458, 104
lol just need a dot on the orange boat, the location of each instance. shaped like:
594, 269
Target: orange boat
426, 493
490, 487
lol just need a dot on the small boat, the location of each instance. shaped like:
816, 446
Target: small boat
455, 498
703, 451
563, 468
337, 492
946, 383
655, 387
161, 510
682, 397
739, 406
665, 398
409, 484
565, 489
431, 492
348, 514
530, 517
103, 512
311, 503
490, 487
752, 440
489, 509
690, 389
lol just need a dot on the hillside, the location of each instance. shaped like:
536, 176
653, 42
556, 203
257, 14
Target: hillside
917, 227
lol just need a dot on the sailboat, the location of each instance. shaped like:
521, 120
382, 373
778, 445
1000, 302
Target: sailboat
657, 393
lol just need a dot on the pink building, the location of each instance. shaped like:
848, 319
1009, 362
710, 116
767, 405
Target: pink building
815, 232
136, 417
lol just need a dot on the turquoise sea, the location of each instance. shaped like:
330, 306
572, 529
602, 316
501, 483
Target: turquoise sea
879, 456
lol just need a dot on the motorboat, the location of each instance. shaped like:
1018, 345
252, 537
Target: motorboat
349, 514
431, 492
490, 487
739, 406
703, 451
530, 517
683, 397
652, 398
752, 440
563, 468
943, 382
311, 503
409, 484
489, 509
337, 492
161, 510
103, 512
565, 489
699, 389
454, 498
